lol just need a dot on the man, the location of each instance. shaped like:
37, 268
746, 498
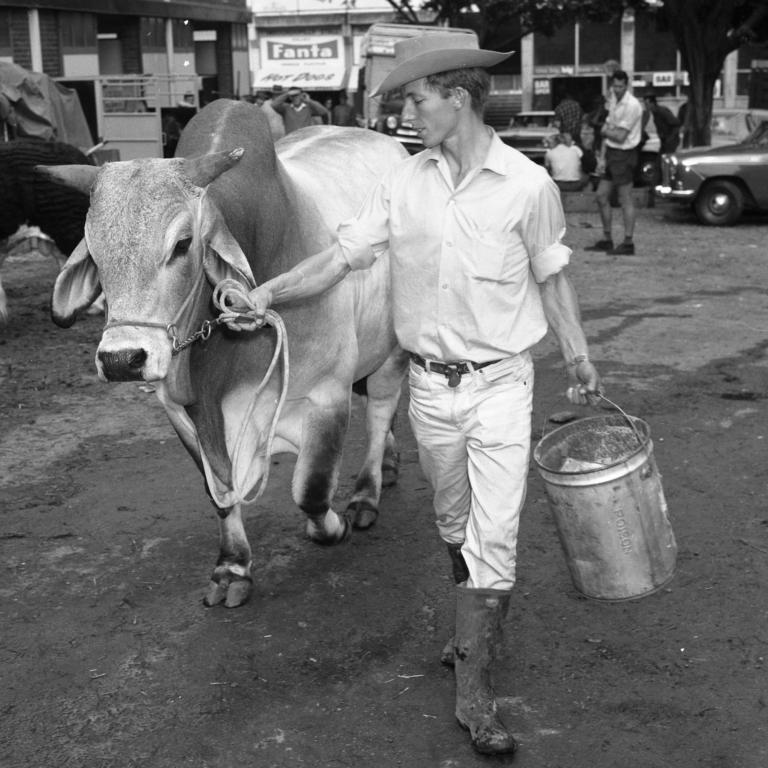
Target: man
621, 134
667, 125
343, 113
264, 100
477, 273
300, 110
568, 117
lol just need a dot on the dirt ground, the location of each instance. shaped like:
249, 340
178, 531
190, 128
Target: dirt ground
108, 657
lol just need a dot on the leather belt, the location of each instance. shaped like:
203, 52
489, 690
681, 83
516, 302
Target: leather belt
452, 371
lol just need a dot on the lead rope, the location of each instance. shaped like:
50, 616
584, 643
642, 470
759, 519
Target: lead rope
225, 294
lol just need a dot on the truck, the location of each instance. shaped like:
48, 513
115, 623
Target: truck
384, 113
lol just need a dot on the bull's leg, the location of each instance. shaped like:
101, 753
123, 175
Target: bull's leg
317, 473
382, 461
231, 580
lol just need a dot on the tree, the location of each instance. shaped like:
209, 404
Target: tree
705, 31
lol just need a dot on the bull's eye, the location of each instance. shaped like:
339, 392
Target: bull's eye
182, 247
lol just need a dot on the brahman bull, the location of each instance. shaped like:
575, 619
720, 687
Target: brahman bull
161, 233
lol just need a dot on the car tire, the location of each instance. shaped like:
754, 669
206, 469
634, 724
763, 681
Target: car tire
719, 203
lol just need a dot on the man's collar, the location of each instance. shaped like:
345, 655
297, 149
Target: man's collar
495, 160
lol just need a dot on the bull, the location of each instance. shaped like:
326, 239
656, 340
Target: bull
160, 234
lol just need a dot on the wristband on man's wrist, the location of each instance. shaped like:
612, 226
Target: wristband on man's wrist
578, 359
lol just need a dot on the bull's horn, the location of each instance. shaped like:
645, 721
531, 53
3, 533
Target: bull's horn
202, 170
79, 177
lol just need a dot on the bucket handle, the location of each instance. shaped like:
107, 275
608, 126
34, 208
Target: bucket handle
624, 414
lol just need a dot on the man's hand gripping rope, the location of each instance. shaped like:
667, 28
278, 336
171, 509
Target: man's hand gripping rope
241, 309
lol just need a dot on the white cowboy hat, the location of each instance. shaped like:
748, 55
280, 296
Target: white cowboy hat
428, 54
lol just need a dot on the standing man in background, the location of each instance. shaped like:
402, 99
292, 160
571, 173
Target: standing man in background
622, 132
667, 125
300, 109
343, 113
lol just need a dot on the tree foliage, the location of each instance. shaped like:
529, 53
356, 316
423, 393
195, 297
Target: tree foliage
705, 31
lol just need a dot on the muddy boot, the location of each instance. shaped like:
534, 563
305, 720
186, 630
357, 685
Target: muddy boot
478, 631
460, 575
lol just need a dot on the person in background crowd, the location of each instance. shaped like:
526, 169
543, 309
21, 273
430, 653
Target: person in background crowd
621, 133
343, 113
478, 274
300, 110
563, 161
263, 100
667, 125
682, 118
568, 115
319, 120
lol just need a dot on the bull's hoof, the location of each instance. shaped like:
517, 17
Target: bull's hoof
447, 655
390, 472
232, 593
330, 529
362, 514
217, 593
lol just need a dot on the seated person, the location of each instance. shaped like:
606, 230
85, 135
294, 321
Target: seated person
563, 161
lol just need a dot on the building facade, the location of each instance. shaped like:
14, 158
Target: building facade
284, 32
132, 57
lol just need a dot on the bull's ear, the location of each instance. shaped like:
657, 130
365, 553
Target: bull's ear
76, 287
223, 257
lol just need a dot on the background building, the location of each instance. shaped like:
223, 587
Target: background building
132, 63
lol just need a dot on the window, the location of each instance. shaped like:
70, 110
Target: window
599, 42
239, 37
655, 49
6, 45
78, 32
560, 49
182, 35
153, 34
747, 54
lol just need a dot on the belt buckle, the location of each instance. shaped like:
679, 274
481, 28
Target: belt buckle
454, 375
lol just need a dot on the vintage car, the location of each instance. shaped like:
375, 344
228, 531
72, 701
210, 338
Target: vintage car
720, 182
532, 133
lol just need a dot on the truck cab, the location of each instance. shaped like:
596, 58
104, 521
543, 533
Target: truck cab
384, 113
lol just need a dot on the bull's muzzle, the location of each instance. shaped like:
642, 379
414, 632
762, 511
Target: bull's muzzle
124, 365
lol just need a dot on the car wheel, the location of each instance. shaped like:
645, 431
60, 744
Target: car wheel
720, 203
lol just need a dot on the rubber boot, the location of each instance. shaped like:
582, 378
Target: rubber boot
478, 632
460, 575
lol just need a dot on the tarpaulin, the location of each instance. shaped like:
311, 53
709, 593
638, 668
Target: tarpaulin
39, 107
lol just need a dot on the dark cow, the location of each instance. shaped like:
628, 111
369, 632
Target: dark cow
28, 197
160, 234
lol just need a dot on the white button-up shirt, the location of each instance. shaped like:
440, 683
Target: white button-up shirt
626, 113
465, 260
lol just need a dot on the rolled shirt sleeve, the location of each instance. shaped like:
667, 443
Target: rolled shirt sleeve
363, 238
543, 231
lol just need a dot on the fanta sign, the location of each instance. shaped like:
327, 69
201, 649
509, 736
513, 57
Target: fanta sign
306, 61
286, 51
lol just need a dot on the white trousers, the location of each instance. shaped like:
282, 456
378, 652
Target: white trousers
474, 448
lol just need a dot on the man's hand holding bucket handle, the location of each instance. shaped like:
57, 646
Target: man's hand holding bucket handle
584, 385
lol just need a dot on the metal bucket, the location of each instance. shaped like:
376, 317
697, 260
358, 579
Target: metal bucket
606, 497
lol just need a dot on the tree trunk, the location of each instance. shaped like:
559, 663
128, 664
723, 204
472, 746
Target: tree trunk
701, 32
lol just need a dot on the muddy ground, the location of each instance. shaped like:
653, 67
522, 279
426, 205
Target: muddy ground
108, 657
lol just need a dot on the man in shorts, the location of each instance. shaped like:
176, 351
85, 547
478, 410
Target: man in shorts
621, 133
